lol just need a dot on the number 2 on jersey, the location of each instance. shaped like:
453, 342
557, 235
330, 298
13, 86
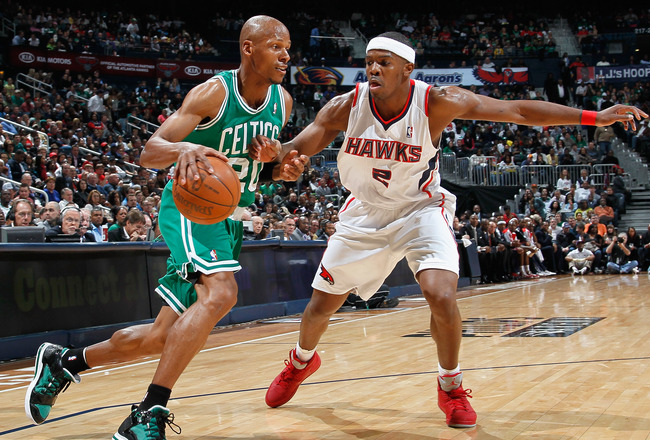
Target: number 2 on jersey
382, 176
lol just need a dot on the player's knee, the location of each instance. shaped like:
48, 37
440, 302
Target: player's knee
440, 298
218, 295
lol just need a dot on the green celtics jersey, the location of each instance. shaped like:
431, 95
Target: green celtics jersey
234, 127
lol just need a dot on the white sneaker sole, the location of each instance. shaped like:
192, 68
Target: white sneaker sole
38, 367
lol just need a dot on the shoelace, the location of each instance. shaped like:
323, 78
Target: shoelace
154, 425
284, 376
459, 398
56, 385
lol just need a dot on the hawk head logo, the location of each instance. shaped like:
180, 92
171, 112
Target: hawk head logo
326, 275
507, 76
318, 75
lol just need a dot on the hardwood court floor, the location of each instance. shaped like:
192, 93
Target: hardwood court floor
556, 358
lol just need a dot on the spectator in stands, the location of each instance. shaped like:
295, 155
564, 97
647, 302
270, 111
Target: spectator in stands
564, 181
289, 225
22, 213
52, 193
94, 199
620, 188
601, 228
80, 197
260, 229
16, 164
130, 231
95, 230
604, 136
514, 240
634, 243
492, 255
67, 198
554, 208
615, 201
118, 214
529, 204
604, 212
507, 213
644, 251
471, 230
580, 259
69, 225
584, 211
565, 241
593, 152
6, 196
618, 255
301, 231
50, 215
595, 243
314, 227
328, 229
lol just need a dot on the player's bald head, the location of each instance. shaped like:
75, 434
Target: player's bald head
260, 26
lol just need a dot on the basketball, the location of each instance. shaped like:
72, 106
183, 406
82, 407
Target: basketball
213, 197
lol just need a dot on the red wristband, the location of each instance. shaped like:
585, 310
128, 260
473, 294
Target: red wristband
588, 117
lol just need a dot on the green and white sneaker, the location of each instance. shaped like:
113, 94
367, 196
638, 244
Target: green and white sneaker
50, 379
146, 425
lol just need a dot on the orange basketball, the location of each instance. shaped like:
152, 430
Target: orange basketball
213, 197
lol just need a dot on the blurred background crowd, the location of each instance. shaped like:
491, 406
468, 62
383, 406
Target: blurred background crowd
69, 158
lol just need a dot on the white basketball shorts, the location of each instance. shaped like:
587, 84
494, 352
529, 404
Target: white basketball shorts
370, 241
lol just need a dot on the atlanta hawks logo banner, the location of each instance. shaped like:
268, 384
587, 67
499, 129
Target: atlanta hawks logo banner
348, 76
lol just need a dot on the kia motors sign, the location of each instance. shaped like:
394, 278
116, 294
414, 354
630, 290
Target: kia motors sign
113, 65
193, 70
27, 57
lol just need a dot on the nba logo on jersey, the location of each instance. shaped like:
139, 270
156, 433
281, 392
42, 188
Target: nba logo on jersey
213, 255
409, 132
275, 107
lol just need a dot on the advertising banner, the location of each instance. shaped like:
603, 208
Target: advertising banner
615, 74
349, 76
26, 58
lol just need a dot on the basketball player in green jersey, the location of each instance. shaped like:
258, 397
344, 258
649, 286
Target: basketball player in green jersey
218, 118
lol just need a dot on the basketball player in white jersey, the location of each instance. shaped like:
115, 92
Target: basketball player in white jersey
389, 161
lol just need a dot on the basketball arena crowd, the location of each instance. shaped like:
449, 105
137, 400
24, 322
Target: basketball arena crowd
75, 171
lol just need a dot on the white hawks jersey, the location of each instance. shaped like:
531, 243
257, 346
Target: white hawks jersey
390, 164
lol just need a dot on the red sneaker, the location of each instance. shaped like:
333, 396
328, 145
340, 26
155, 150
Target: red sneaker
456, 407
286, 384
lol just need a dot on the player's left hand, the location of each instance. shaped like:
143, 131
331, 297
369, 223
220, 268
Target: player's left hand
264, 149
291, 167
627, 114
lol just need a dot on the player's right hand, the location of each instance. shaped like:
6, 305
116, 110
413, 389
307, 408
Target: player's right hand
191, 154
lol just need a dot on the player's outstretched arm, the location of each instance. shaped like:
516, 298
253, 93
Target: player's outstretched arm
449, 103
329, 122
166, 145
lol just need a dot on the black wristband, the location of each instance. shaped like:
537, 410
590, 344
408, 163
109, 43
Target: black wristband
266, 175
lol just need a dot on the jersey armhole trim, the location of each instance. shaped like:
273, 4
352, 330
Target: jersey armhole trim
222, 109
356, 95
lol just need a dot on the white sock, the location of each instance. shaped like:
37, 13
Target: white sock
304, 355
443, 372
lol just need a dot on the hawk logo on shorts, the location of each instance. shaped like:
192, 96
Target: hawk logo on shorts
326, 275
213, 255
